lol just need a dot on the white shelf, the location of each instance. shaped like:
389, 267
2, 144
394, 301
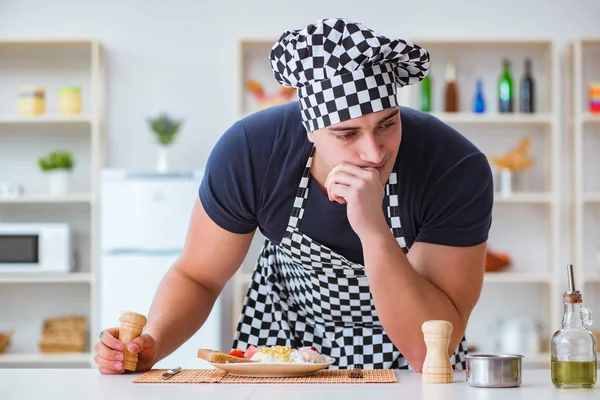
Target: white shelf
591, 118
45, 358
54, 63
494, 132
592, 279
495, 119
591, 197
516, 277
525, 197
35, 199
584, 54
74, 277
46, 119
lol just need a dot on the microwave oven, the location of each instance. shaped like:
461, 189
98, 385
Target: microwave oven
35, 247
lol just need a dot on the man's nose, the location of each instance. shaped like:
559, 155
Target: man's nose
372, 151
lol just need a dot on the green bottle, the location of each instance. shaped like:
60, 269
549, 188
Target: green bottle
505, 89
425, 94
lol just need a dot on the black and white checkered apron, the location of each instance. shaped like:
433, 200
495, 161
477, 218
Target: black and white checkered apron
304, 294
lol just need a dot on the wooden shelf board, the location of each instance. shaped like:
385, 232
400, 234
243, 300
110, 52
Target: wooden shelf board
471, 41
45, 119
47, 41
516, 277
32, 277
42, 198
591, 197
495, 118
591, 118
524, 197
592, 278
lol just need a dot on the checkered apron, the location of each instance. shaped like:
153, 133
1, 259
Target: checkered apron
304, 294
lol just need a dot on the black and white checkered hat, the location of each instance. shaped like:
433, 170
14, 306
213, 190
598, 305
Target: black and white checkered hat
344, 70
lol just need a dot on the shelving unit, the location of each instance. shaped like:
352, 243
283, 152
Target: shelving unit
34, 297
526, 223
584, 127
529, 289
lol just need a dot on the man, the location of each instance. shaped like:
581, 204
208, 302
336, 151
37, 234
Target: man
376, 216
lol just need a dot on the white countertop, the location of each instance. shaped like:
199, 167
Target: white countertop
89, 384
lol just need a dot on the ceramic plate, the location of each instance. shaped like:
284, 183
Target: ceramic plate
269, 370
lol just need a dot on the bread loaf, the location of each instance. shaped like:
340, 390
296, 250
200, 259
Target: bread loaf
219, 357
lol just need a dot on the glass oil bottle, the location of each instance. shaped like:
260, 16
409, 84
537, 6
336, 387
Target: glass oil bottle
573, 348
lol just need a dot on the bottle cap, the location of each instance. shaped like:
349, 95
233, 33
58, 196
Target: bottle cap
450, 72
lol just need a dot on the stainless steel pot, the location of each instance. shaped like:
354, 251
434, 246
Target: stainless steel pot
494, 370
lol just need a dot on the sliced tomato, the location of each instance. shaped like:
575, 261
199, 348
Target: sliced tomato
250, 351
237, 353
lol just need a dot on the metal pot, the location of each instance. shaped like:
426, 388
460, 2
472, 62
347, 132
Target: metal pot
494, 370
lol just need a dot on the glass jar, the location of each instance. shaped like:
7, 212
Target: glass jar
31, 101
69, 100
573, 348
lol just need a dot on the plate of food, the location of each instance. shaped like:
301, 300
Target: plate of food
269, 361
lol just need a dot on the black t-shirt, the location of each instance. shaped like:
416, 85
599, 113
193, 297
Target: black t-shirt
445, 183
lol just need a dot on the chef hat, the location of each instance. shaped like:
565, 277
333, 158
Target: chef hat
343, 70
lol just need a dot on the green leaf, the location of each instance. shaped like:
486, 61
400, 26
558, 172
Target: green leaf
56, 160
165, 128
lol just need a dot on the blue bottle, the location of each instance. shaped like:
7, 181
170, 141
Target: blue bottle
479, 101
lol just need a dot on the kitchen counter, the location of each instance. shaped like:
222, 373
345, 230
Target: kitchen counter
89, 384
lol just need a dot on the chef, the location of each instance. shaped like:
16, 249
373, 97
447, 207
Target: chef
375, 215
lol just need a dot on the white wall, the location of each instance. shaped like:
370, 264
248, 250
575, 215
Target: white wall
180, 56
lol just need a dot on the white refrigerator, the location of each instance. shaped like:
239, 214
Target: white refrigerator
144, 219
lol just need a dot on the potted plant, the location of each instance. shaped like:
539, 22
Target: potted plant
57, 166
165, 128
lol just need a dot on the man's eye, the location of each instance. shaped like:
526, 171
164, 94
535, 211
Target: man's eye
346, 136
388, 126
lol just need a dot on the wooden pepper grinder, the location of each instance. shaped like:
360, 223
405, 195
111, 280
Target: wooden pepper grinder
131, 327
436, 367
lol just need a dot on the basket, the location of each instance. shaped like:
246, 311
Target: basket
62, 343
5, 340
76, 323
63, 335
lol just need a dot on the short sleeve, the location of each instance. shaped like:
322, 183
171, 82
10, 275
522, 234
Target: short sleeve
227, 191
457, 209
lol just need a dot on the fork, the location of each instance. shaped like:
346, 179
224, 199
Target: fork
355, 372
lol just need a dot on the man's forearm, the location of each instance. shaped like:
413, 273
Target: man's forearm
404, 299
179, 309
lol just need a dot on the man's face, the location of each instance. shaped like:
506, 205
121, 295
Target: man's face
368, 141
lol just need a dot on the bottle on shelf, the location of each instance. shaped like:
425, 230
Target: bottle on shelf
573, 348
505, 89
594, 97
425, 94
451, 92
479, 100
527, 89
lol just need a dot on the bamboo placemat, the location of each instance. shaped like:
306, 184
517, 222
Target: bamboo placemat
220, 376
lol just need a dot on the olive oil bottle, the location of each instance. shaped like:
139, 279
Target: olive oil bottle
573, 348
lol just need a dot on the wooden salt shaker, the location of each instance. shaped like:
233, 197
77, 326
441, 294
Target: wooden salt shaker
437, 367
131, 327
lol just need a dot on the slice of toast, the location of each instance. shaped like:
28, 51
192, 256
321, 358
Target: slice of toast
219, 357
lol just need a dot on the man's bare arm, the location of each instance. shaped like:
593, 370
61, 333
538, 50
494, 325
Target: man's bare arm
432, 282
189, 289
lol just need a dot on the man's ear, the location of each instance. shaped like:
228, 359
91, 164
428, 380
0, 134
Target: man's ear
310, 137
